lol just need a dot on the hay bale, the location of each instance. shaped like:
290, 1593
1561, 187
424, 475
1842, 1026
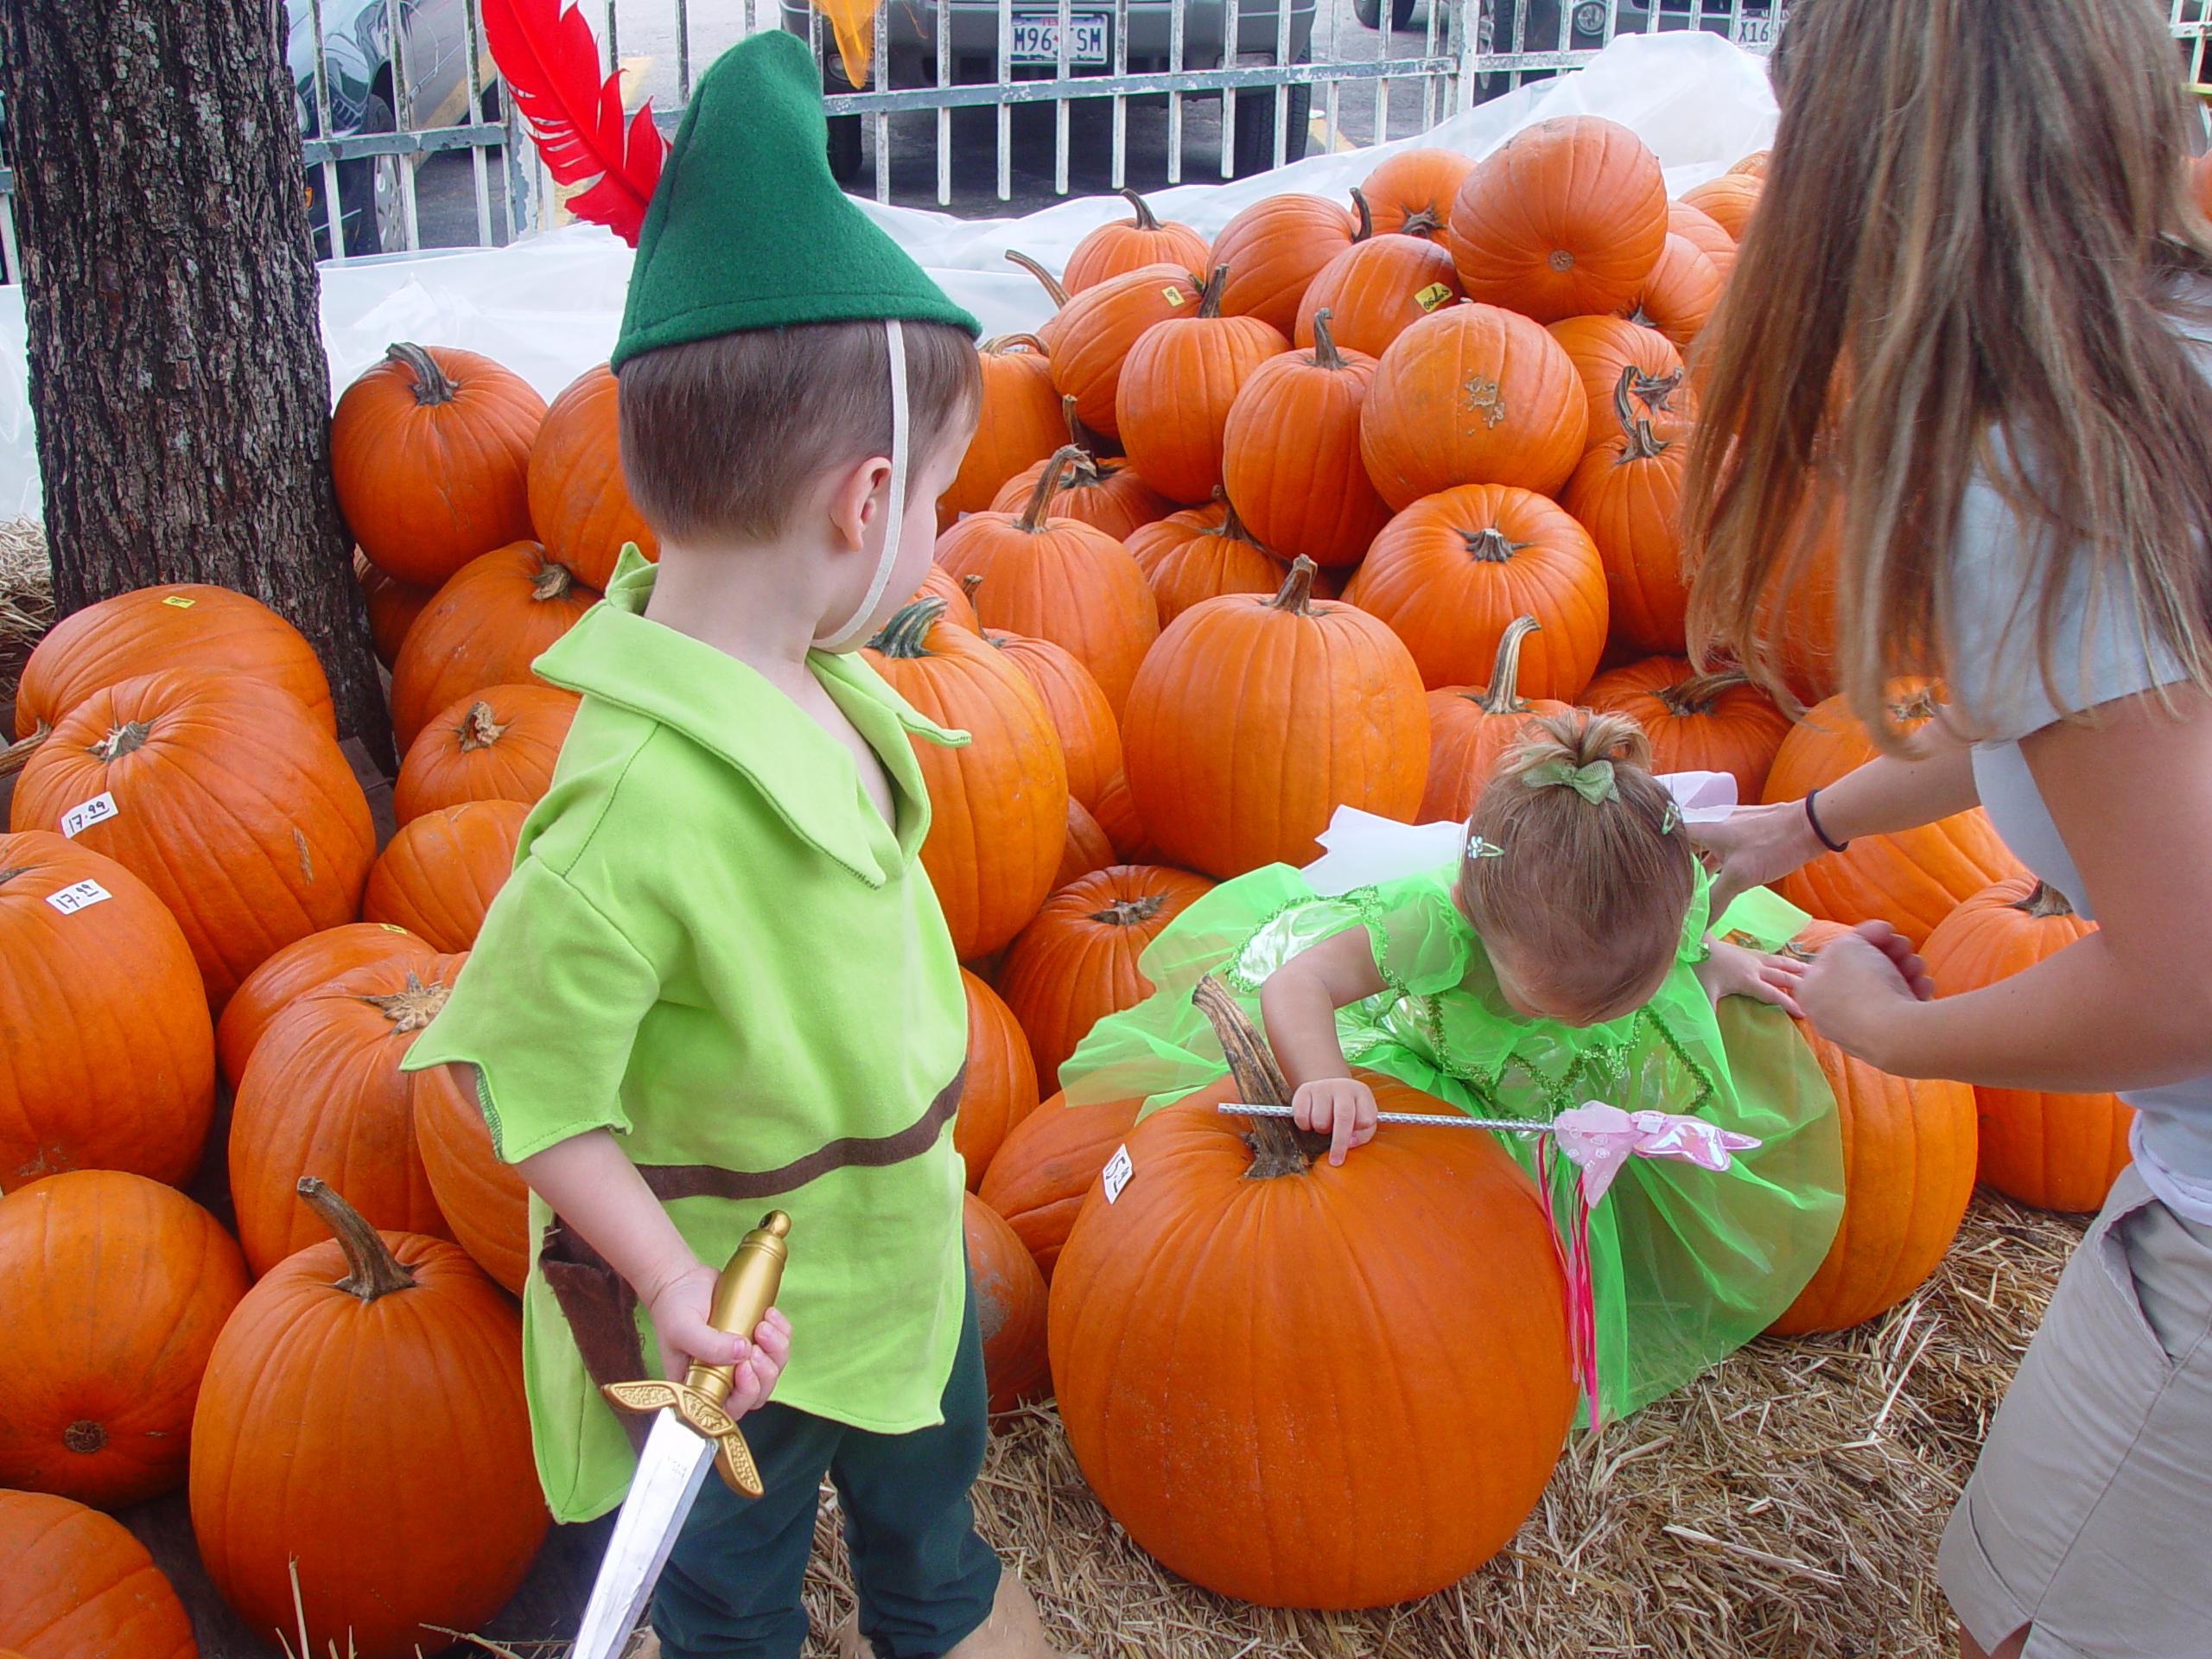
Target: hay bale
26, 598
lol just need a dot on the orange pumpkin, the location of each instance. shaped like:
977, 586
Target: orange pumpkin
1702, 231
440, 873
1126, 245
1060, 580
1118, 816
999, 1087
1754, 164
1017, 424
1680, 293
1470, 730
1086, 848
78, 1586
1912, 879
1201, 555
499, 744
485, 628
113, 1287
998, 807
323, 1096
1177, 384
578, 501
1104, 492
1377, 288
1472, 395
430, 449
1601, 349
110, 1060
1091, 332
299, 968
228, 800
1254, 719
1696, 723
1728, 200
1566, 219
1413, 191
1450, 572
1274, 250
393, 605
424, 1514
940, 583
176, 624
1291, 457
2054, 1151
1047, 1165
484, 1202
1627, 493
1009, 1309
1077, 962
1091, 742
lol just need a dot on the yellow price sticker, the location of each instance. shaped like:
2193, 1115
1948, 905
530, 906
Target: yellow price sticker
1432, 297
179, 601
1172, 295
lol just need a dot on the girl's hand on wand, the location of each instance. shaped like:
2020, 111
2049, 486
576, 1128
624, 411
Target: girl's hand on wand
1859, 986
1341, 1108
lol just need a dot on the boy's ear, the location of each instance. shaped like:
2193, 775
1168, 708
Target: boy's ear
858, 500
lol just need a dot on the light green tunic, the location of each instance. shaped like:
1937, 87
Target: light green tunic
713, 944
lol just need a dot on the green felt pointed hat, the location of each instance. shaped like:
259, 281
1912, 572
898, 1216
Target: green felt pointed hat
747, 230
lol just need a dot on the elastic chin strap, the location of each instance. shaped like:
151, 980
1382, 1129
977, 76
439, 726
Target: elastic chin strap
854, 632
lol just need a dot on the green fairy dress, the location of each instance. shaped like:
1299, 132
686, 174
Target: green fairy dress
1688, 1264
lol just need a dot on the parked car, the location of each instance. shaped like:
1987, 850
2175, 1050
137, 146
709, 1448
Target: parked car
1090, 52
1757, 26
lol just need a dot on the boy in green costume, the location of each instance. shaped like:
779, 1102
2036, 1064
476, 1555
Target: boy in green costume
718, 943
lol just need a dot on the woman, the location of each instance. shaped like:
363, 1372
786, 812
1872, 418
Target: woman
1966, 345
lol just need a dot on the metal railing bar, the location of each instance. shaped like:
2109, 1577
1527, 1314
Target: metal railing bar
945, 114
1121, 104
472, 42
403, 118
1005, 112
683, 46
1195, 80
1065, 44
483, 134
1231, 31
332, 215
1175, 46
1282, 97
879, 75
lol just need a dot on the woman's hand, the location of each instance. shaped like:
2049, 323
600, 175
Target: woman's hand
1341, 1108
679, 1310
1731, 970
1753, 846
1858, 990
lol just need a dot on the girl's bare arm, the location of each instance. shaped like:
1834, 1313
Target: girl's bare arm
1298, 1003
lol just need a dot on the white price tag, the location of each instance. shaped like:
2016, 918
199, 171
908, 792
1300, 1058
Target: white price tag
78, 896
1117, 1173
83, 815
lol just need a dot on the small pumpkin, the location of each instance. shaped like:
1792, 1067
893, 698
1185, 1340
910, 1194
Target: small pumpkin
999, 1087
1753, 165
1413, 191
1274, 250
1601, 349
1127, 244
1680, 294
299, 968
393, 605
1090, 741
110, 1060
1450, 571
1047, 1165
440, 873
1470, 730
1105, 492
1377, 288
1627, 493
1702, 231
430, 449
1086, 848
485, 1204
499, 744
112, 1288
1728, 200
1017, 424
1716, 721
1087, 338
1177, 384
578, 501
80, 1586
487, 627
1201, 555
1009, 1309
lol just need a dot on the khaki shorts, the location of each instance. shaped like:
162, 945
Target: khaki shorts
2089, 1515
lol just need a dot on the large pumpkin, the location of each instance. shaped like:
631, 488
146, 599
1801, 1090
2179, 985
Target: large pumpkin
1046, 1166
78, 1586
1090, 739
430, 449
1413, 191
1627, 493
1059, 579
1127, 244
1472, 395
1105, 492
1091, 332
484, 1203
499, 744
1177, 384
1680, 294
176, 624
1912, 879
1565, 220
440, 873
1450, 572
998, 807
485, 628
1696, 723
1077, 963
2056, 1150
1601, 348
1240, 1292
1274, 250
104, 1019
1291, 457
424, 1513
1202, 554
1471, 729
1377, 288
1017, 424
323, 1096
299, 968
1254, 719
112, 1288
578, 501
222, 794
1908, 1171
393, 605
1009, 1308
999, 1087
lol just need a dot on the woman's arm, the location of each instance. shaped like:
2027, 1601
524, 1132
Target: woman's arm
1298, 1004
2128, 1006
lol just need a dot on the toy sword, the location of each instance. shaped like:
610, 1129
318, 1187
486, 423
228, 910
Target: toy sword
690, 1433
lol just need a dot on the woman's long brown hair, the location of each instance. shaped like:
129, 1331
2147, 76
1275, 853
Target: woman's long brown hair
1975, 218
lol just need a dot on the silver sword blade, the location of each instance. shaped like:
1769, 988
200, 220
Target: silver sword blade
670, 1470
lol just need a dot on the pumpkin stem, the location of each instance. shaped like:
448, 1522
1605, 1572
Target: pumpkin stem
1234, 528
478, 730
12, 873
1066, 457
12, 758
1366, 215
1000, 345
1490, 545
372, 1271
413, 1007
969, 583
1053, 291
1503, 695
1210, 296
1697, 695
1145, 219
1422, 221
552, 581
431, 384
1639, 442
1653, 390
1127, 913
905, 634
1297, 588
1918, 705
1278, 1147
2044, 901
1325, 354
131, 735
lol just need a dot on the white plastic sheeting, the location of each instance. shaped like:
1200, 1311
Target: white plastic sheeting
549, 307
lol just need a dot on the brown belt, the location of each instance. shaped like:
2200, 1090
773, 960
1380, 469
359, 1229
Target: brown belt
600, 1305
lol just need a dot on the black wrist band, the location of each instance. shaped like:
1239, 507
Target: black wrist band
1819, 833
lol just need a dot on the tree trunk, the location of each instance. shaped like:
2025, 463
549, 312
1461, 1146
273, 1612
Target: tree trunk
177, 376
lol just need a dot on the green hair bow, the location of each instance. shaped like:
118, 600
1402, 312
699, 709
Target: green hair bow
1593, 783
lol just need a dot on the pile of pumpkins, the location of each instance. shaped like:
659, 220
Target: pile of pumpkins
1313, 516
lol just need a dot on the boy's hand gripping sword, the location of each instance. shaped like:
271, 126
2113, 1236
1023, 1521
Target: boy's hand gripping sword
690, 1433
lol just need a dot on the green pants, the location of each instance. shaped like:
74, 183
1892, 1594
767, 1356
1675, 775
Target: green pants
731, 1589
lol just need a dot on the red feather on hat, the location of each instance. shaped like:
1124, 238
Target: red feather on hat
549, 62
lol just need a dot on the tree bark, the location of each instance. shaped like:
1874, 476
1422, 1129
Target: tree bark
177, 376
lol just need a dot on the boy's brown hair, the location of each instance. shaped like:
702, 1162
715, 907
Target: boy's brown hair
720, 436
1593, 890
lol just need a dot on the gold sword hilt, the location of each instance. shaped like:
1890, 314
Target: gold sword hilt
744, 1293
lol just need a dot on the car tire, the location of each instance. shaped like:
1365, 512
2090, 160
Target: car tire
1255, 127
357, 189
844, 147
1370, 12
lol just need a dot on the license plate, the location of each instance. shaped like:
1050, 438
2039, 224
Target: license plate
1036, 37
1758, 32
